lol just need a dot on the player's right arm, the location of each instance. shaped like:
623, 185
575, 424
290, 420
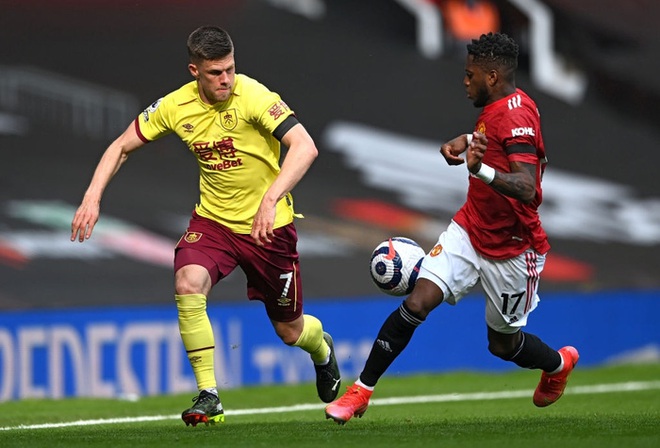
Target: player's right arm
114, 156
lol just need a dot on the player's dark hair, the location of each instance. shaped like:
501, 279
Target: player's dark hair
495, 51
209, 43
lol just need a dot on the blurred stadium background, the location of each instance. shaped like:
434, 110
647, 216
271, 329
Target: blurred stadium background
378, 85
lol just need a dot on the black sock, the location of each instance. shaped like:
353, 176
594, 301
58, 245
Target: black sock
535, 354
393, 337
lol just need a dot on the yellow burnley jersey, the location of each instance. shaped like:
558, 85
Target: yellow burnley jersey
233, 142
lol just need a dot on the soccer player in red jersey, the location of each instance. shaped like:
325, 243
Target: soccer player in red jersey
233, 125
495, 239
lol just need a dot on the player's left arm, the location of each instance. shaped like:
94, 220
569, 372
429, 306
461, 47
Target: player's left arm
519, 183
301, 154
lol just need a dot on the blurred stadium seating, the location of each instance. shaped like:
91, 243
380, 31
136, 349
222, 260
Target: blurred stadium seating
68, 85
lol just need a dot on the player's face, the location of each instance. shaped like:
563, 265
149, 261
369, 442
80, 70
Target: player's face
215, 78
476, 83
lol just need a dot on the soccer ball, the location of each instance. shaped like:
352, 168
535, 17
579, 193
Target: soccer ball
395, 265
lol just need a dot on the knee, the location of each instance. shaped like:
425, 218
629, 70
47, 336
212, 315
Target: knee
500, 350
289, 332
182, 287
420, 306
288, 335
426, 296
504, 346
192, 280
417, 307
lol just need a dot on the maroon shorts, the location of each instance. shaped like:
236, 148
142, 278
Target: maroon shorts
273, 274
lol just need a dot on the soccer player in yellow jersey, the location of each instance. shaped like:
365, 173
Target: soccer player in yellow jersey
234, 126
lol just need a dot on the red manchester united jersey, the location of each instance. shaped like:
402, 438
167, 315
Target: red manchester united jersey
500, 226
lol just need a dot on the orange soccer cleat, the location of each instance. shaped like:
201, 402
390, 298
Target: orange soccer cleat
551, 387
353, 403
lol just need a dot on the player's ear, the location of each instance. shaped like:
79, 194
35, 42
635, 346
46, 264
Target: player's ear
194, 71
492, 77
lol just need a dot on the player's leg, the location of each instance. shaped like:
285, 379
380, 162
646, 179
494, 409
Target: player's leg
273, 275
306, 332
397, 330
511, 290
197, 258
393, 337
447, 272
197, 336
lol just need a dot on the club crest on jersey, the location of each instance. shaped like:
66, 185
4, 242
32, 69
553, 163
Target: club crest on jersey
228, 119
437, 249
481, 127
192, 237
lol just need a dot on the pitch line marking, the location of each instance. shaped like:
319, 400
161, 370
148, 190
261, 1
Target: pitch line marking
633, 386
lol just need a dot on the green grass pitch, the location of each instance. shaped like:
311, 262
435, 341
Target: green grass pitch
615, 406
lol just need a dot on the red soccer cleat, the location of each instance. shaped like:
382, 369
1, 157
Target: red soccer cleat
551, 387
353, 403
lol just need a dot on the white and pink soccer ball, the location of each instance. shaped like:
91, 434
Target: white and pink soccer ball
395, 265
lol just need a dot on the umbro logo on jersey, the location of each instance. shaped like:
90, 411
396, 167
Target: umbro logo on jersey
284, 301
188, 127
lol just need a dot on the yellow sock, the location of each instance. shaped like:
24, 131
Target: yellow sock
311, 340
197, 335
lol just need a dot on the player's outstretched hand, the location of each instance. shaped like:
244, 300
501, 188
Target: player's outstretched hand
84, 221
